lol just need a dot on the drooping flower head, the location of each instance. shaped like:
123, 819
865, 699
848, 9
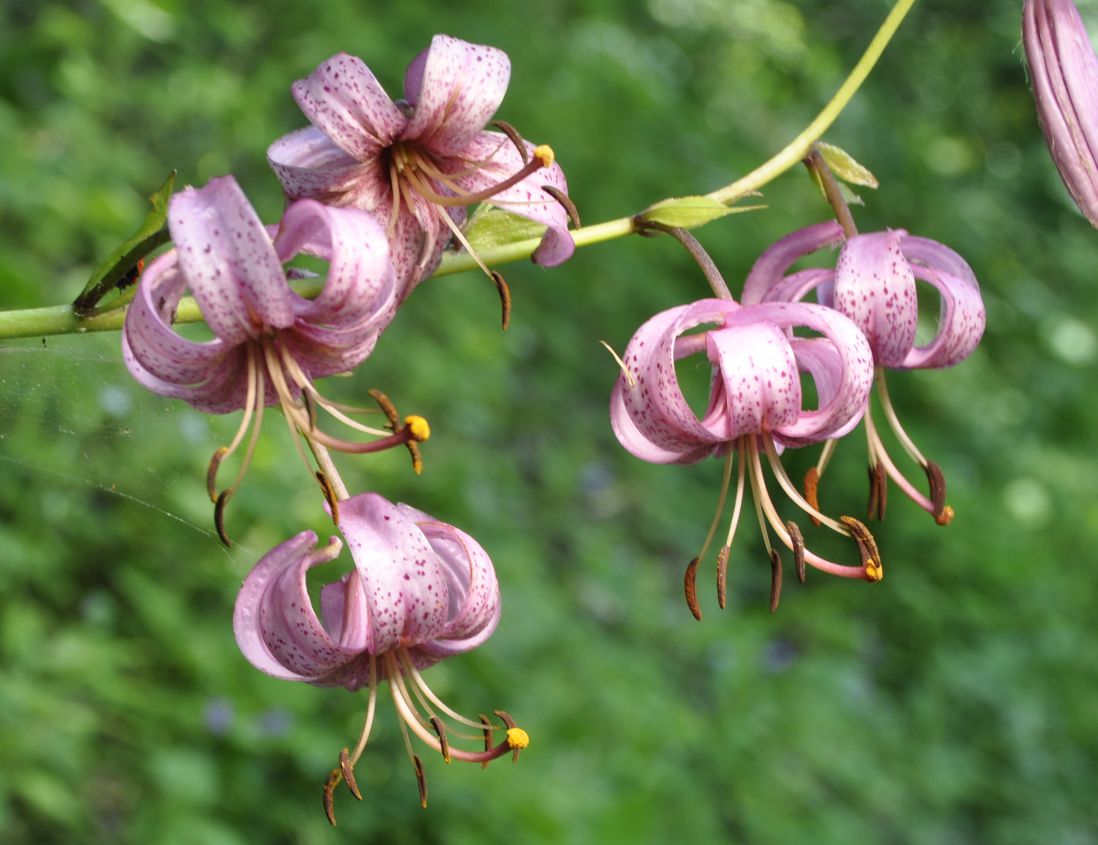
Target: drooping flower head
269, 343
874, 284
755, 406
418, 163
421, 590
1063, 70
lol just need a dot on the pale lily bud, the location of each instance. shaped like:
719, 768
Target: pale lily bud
1064, 72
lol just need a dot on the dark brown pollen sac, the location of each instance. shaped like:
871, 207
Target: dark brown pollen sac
812, 491
867, 548
798, 548
943, 513
722, 575
690, 588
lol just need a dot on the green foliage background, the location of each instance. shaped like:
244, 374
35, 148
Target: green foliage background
952, 703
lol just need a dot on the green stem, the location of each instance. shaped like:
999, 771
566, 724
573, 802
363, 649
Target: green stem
59, 319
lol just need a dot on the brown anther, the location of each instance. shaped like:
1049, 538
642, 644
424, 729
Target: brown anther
516, 139
690, 588
775, 580
504, 298
348, 773
867, 548
421, 780
440, 729
387, 408
488, 742
812, 492
505, 717
329, 795
943, 513
329, 495
798, 548
566, 203
211, 473
219, 517
722, 574
878, 491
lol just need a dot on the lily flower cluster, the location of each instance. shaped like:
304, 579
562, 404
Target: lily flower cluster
864, 322
375, 188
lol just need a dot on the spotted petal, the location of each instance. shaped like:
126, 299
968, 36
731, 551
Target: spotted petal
652, 418
961, 317
406, 589
875, 287
455, 88
344, 100
276, 627
770, 267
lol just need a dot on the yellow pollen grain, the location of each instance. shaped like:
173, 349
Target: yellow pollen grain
517, 738
545, 155
874, 571
418, 428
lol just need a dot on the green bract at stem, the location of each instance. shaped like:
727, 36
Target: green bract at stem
60, 319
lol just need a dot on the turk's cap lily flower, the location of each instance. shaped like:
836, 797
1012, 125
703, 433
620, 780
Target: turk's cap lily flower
418, 163
421, 590
1063, 70
756, 387
229, 262
755, 407
874, 284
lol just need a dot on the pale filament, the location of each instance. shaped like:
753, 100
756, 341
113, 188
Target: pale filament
738, 503
725, 478
370, 707
793, 493
894, 421
878, 454
765, 506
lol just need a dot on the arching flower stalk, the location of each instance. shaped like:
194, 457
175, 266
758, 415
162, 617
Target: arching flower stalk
270, 344
874, 284
755, 408
420, 162
421, 591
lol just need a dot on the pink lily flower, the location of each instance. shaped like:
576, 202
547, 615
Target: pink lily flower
873, 283
270, 343
421, 591
755, 406
418, 163
1064, 72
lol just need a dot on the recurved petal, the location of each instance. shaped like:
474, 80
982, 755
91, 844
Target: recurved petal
344, 100
229, 262
309, 165
772, 265
455, 87
652, 419
496, 158
849, 372
961, 316
360, 283
276, 627
762, 388
875, 287
405, 586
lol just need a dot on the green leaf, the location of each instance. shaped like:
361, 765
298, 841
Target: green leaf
689, 212
844, 166
849, 197
116, 272
493, 227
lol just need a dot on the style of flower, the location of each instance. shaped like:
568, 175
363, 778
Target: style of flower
421, 590
1063, 70
418, 163
270, 343
755, 406
874, 284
